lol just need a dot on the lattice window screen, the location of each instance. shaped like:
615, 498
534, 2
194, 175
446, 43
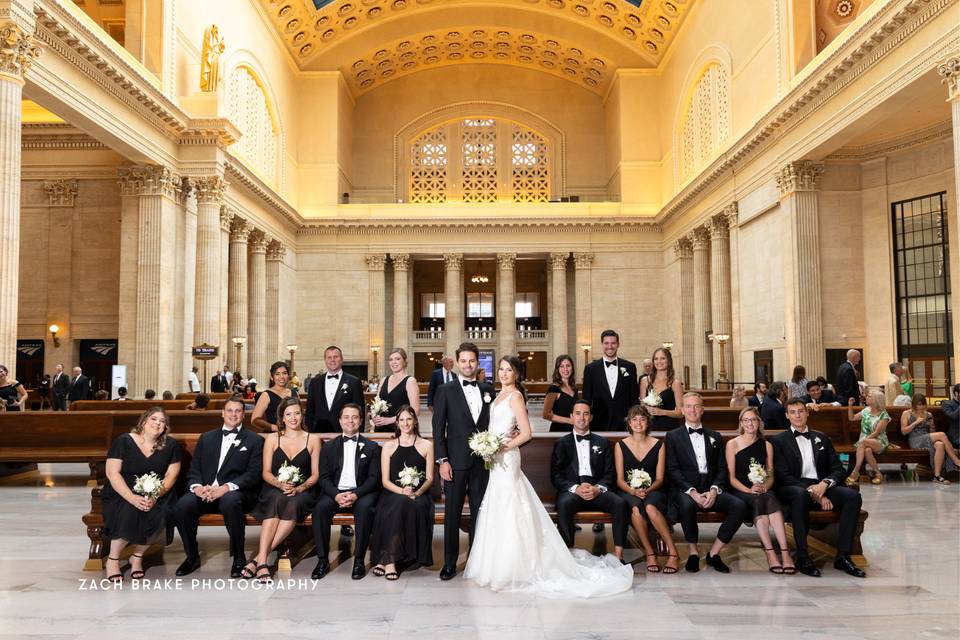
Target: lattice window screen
479, 160
530, 174
249, 111
705, 125
428, 170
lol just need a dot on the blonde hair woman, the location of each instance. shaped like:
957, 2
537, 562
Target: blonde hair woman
873, 436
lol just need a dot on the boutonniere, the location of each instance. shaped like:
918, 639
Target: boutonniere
713, 441
596, 448
344, 387
817, 440
360, 445
623, 371
236, 443
486, 398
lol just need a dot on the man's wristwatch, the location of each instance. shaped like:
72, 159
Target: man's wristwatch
441, 460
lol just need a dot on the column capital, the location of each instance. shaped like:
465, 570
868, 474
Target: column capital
506, 260
717, 226
276, 251
257, 240
583, 259
732, 213
149, 180
949, 70
239, 229
699, 238
558, 261
62, 193
799, 176
401, 261
209, 189
18, 50
683, 248
453, 261
226, 218
376, 261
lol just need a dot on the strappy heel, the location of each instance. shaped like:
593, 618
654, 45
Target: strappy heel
264, 578
668, 570
117, 577
774, 568
653, 567
392, 576
378, 571
137, 575
246, 573
787, 571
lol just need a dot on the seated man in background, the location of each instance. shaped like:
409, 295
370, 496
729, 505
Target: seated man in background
818, 397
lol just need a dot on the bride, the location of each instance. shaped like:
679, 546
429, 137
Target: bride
516, 545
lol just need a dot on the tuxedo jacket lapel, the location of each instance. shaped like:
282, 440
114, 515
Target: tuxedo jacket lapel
461, 396
688, 449
794, 449
233, 448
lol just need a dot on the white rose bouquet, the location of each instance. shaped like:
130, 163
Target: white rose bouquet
289, 474
758, 473
148, 485
410, 477
639, 479
379, 406
486, 445
652, 399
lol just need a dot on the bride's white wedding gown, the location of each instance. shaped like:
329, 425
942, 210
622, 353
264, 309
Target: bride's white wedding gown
516, 546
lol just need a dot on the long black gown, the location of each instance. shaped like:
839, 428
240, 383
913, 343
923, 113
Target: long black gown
562, 406
273, 502
757, 504
668, 403
403, 530
121, 519
648, 464
396, 398
270, 415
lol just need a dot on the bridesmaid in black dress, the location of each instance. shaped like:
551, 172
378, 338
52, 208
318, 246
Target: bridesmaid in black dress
264, 414
640, 450
558, 403
13, 396
283, 504
747, 448
130, 518
403, 530
664, 383
398, 390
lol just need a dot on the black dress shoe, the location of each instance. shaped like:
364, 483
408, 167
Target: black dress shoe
717, 563
598, 528
236, 569
188, 566
806, 567
346, 530
845, 564
358, 570
693, 564
323, 566
447, 572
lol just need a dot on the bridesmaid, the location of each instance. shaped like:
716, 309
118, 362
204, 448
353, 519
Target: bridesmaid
640, 450
873, 436
403, 530
749, 446
130, 518
264, 414
398, 390
558, 403
13, 397
664, 383
283, 504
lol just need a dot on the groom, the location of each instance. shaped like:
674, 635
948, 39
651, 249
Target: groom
460, 408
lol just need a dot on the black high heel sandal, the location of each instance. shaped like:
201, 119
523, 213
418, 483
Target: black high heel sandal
264, 578
787, 571
137, 575
774, 568
392, 576
378, 571
117, 577
653, 567
668, 570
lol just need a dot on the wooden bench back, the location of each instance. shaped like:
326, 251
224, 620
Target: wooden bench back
33, 430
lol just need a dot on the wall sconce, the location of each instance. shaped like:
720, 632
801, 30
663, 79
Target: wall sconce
667, 345
375, 349
54, 329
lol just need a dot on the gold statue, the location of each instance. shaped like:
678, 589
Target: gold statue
210, 59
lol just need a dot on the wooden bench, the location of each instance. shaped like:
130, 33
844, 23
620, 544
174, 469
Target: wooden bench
32, 437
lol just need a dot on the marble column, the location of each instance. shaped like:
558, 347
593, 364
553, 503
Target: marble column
376, 328
402, 318
742, 368
206, 326
223, 277
583, 307
453, 294
949, 70
558, 306
797, 182
276, 344
257, 310
18, 49
702, 354
237, 293
720, 291
683, 349
506, 305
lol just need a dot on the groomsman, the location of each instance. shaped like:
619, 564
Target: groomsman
584, 474
697, 472
224, 477
330, 392
441, 375
219, 382
610, 385
60, 387
809, 476
349, 481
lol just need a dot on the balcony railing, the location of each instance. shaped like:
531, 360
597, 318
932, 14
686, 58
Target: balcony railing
431, 336
532, 334
480, 335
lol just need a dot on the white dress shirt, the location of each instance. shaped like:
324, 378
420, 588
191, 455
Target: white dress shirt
612, 373
583, 460
809, 468
474, 401
700, 451
348, 474
447, 376
330, 385
225, 444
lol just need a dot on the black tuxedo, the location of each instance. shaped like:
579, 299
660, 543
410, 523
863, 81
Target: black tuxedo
60, 387
792, 487
826, 397
755, 401
847, 384
436, 380
565, 475
218, 383
242, 466
774, 414
367, 469
452, 426
79, 388
610, 412
323, 419
683, 474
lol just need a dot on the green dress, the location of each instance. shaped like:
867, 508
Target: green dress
868, 422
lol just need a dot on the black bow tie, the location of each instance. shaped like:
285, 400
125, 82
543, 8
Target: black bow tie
333, 376
353, 439
470, 383
801, 434
231, 432
610, 364
581, 438
692, 431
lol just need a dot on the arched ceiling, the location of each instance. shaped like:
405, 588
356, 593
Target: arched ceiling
391, 38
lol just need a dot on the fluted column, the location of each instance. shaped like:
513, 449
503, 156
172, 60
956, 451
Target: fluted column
223, 287
506, 305
583, 306
683, 349
257, 364
17, 51
377, 312
949, 70
558, 305
209, 284
702, 355
453, 290
797, 182
720, 290
276, 345
402, 320
237, 293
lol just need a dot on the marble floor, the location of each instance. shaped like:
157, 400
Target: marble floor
912, 592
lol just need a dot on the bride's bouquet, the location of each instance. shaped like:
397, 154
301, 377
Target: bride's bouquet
410, 477
486, 445
758, 473
289, 474
148, 485
639, 479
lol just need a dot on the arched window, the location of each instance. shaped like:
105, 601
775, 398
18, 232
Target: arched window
479, 159
705, 121
249, 110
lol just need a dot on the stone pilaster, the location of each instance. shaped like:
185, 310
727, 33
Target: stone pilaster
506, 305
743, 370
257, 364
797, 182
453, 290
276, 344
683, 348
211, 277
226, 345
376, 330
237, 293
402, 316
702, 354
949, 70
720, 320
583, 307
558, 306
18, 49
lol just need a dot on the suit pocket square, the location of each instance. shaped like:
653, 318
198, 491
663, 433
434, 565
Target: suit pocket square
243, 448
363, 455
